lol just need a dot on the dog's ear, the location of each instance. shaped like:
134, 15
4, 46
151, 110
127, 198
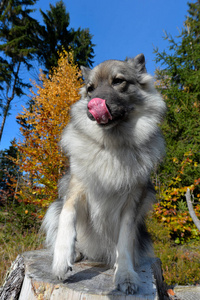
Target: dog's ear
138, 62
85, 71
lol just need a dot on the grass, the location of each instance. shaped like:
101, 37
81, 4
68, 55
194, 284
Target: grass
180, 263
19, 233
15, 239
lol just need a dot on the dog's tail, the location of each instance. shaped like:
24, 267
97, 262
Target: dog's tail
50, 223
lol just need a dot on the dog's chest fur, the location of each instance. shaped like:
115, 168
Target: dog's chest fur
112, 172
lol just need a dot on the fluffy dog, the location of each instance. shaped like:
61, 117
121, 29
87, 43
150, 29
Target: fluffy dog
113, 142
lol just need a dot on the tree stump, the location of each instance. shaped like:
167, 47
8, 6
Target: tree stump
30, 278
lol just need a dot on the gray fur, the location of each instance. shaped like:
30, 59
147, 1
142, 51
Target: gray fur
111, 166
50, 223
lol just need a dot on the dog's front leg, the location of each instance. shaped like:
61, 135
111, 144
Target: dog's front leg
126, 279
64, 250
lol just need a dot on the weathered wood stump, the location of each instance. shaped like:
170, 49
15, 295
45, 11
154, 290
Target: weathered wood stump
30, 278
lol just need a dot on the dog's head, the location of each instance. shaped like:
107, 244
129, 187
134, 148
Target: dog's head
113, 89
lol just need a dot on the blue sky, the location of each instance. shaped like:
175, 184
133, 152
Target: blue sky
120, 29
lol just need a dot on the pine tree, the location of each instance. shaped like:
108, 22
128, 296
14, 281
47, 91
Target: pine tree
18, 40
179, 82
56, 35
9, 172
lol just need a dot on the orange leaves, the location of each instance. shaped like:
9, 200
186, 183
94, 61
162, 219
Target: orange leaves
42, 161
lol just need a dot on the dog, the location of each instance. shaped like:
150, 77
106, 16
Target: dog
113, 142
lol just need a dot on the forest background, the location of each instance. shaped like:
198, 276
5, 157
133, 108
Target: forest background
30, 168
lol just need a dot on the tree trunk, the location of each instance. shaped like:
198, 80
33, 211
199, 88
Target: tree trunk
191, 210
5, 113
87, 280
9, 99
14, 279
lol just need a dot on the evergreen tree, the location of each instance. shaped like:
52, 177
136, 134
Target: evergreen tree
179, 82
22, 39
82, 47
9, 171
18, 40
55, 36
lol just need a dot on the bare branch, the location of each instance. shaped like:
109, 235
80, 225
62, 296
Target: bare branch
191, 209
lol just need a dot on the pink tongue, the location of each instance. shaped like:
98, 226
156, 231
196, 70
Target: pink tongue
97, 107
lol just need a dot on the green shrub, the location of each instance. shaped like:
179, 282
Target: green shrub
172, 207
180, 263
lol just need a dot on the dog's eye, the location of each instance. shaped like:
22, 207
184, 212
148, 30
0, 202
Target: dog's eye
117, 81
90, 88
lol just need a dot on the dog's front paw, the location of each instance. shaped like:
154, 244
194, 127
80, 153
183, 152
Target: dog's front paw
62, 263
59, 270
127, 281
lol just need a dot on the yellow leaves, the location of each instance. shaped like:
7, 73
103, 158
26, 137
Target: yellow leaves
42, 161
187, 154
175, 160
172, 209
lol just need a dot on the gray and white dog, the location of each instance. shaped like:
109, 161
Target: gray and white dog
113, 142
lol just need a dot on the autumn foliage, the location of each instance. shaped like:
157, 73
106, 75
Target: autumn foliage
41, 159
178, 75
172, 210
